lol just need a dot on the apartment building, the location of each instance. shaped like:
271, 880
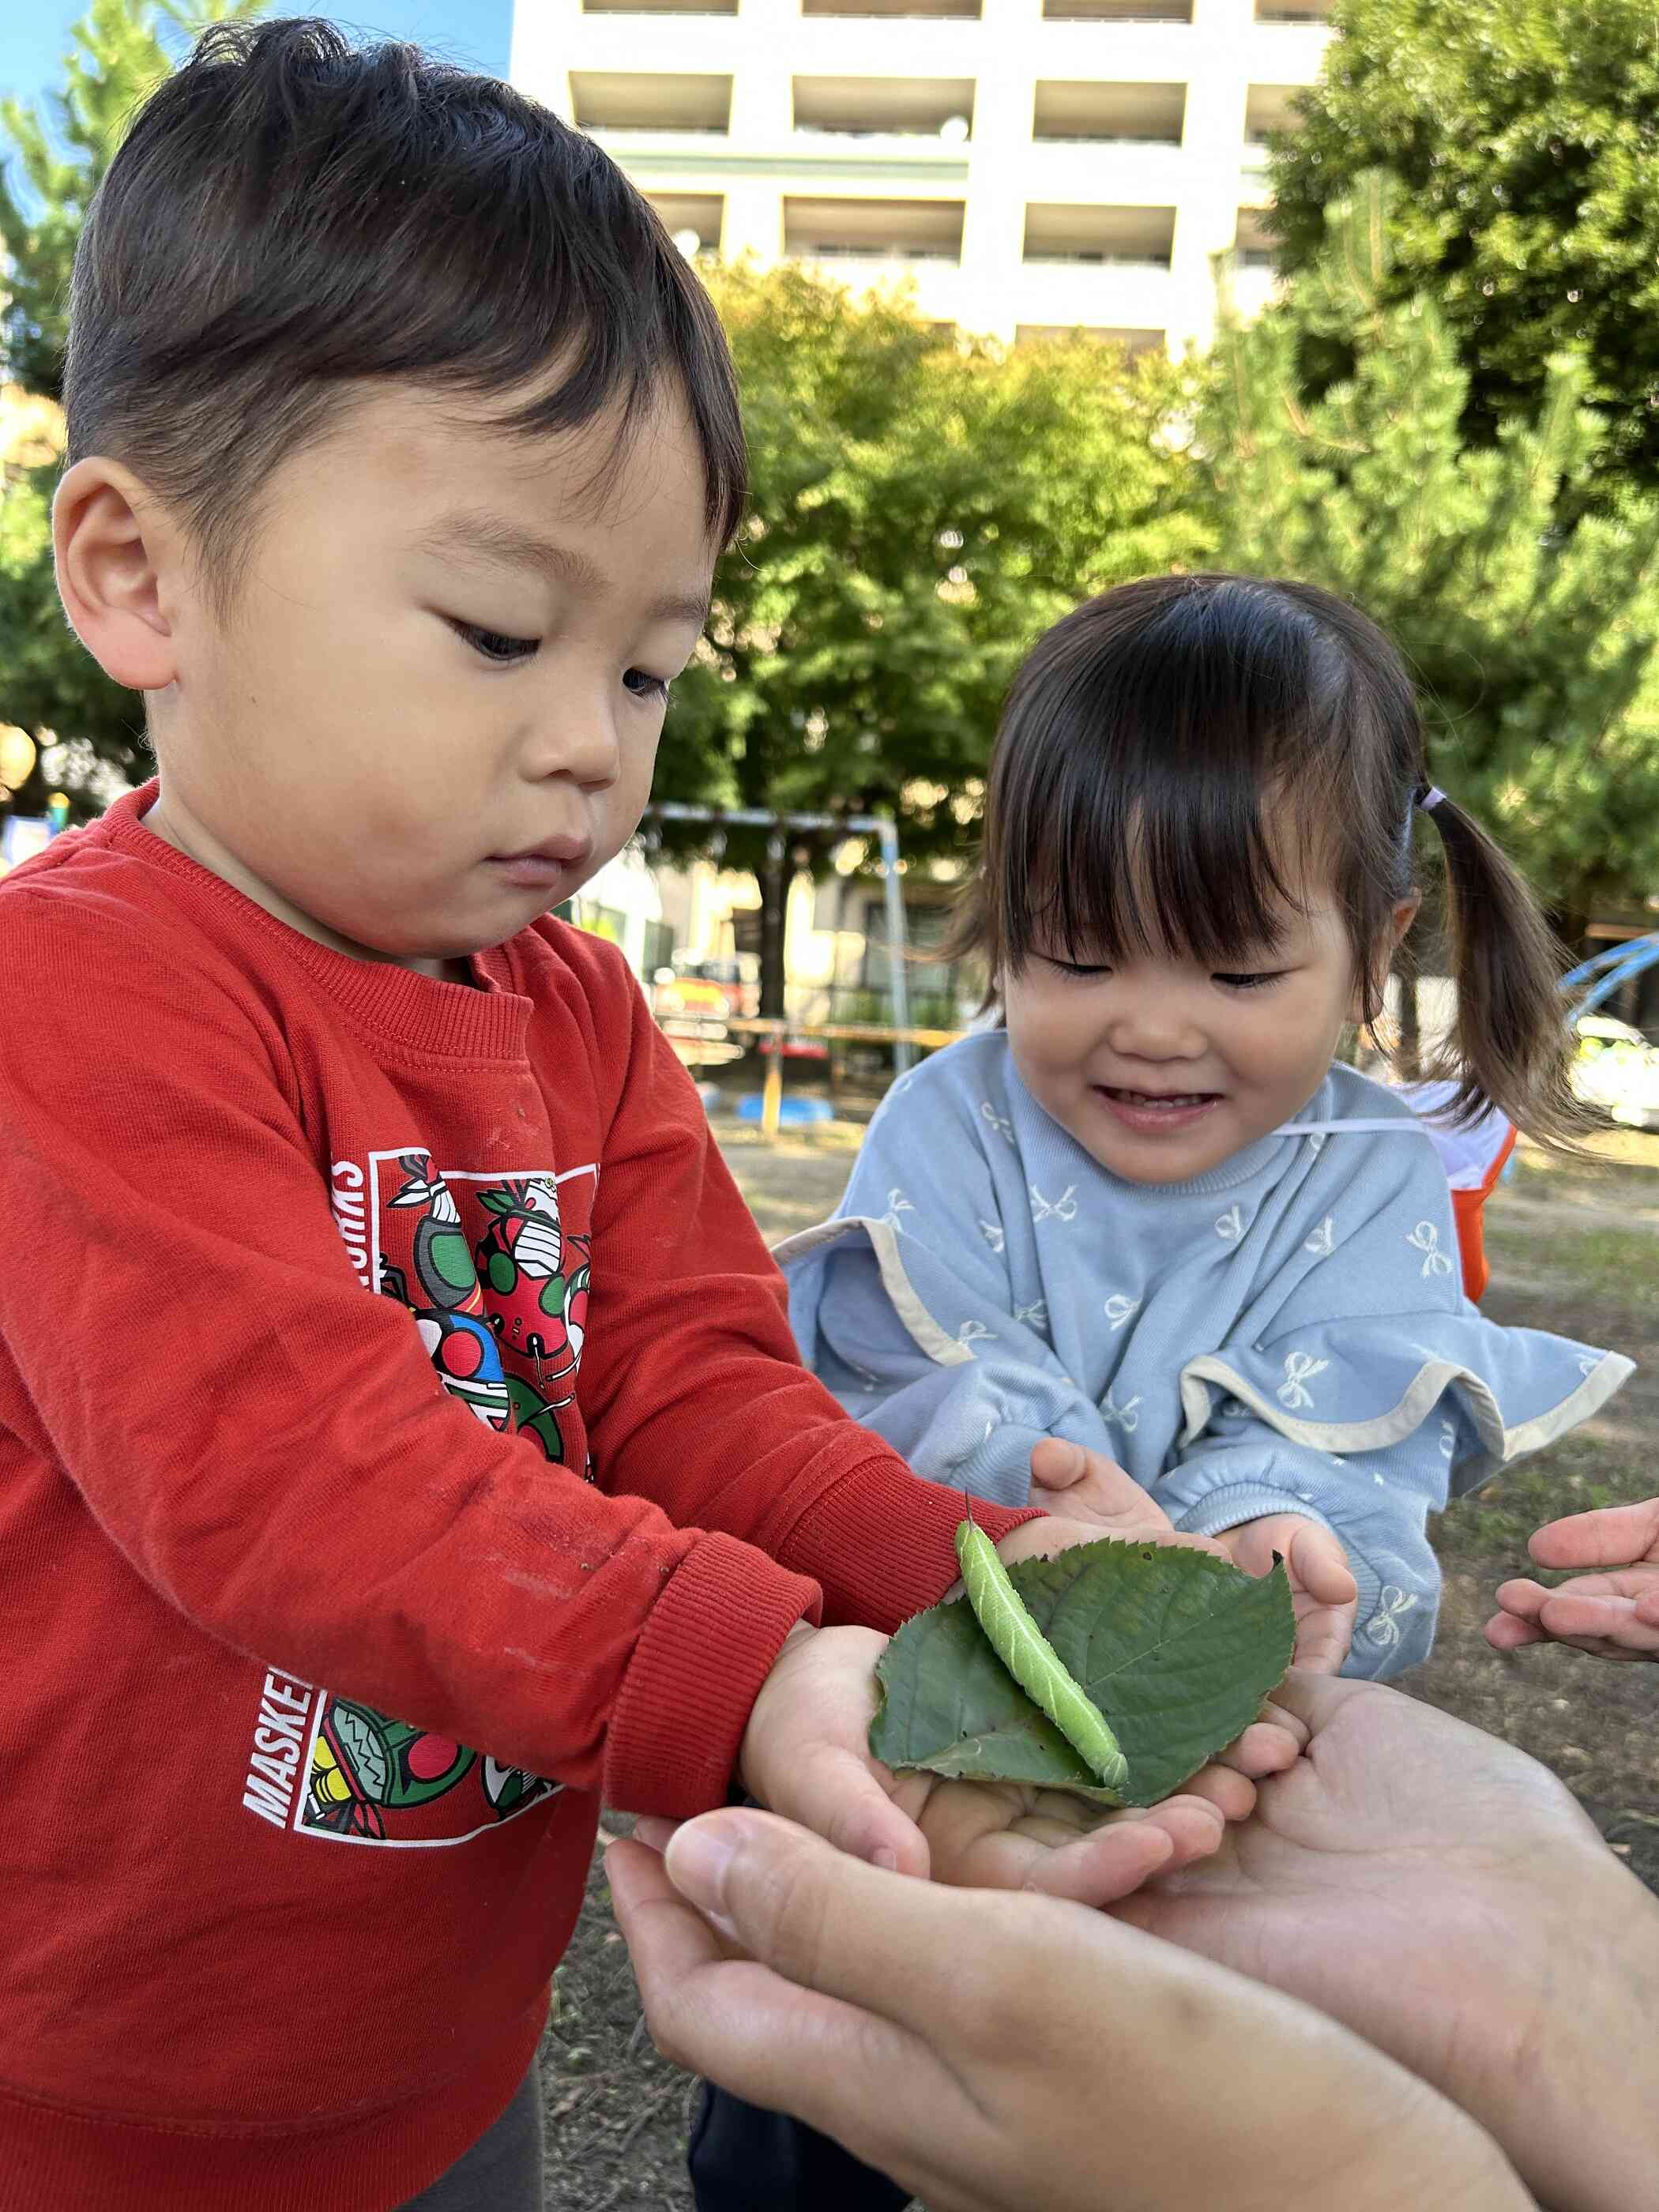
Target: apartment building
1032, 166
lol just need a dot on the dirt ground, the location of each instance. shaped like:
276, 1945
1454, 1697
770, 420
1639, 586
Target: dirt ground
1573, 1250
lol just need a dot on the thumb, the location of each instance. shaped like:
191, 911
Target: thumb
843, 1798
1056, 1465
1321, 1565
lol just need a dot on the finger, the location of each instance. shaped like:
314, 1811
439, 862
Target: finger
824, 1922
1324, 1639
751, 2029
1505, 1632
1522, 1597
1571, 1614
653, 1832
1612, 1536
1225, 1785
1315, 1700
1117, 1860
1056, 1465
1276, 1716
1264, 1749
846, 1797
1318, 1562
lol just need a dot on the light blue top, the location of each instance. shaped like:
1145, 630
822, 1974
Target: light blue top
1286, 1333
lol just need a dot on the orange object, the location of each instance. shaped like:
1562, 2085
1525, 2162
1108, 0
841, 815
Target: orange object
1467, 1208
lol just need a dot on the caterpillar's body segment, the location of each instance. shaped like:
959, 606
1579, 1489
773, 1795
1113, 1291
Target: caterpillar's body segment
1032, 1661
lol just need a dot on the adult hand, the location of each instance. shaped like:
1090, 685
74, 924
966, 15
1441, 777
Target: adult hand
806, 1754
1096, 1491
1613, 1615
1322, 1588
1442, 1895
996, 2054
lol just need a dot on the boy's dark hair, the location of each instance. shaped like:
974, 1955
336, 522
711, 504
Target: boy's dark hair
290, 214
1124, 814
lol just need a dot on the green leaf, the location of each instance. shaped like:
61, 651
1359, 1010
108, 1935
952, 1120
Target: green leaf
1176, 1648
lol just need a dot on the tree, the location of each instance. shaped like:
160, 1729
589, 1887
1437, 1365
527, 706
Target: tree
56, 162
1523, 136
122, 50
922, 508
1531, 644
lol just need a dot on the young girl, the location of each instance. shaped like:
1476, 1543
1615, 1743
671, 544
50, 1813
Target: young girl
1150, 1213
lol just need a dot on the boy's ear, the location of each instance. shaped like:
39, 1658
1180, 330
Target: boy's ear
1400, 921
118, 562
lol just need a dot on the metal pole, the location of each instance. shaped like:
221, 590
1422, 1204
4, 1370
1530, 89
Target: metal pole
897, 967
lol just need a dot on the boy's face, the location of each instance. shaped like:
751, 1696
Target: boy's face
433, 710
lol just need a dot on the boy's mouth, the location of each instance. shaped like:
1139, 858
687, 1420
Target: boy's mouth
540, 867
1155, 1111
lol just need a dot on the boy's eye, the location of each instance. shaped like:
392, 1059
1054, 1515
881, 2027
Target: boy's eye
495, 644
643, 684
1252, 983
1080, 971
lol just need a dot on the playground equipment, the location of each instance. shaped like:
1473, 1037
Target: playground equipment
1606, 972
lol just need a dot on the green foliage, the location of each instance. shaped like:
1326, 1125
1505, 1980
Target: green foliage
1532, 643
1176, 1648
922, 508
54, 163
1524, 135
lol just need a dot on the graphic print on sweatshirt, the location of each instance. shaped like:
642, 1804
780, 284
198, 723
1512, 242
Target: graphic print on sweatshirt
497, 1284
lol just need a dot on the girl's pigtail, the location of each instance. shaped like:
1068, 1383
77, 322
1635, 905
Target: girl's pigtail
1512, 1045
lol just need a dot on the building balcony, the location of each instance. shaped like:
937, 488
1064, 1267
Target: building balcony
612, 101
894, 234
695, 220
1118, 11
888, 9
1107, 112
1087, 235
866, 108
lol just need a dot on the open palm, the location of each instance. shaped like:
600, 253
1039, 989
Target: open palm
1612, 1614
1391, 1878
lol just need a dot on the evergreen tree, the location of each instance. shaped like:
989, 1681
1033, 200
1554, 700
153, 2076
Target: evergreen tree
1531, 645
922, 508
1524, 136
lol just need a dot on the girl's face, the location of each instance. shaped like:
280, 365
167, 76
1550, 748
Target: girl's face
1163, 1068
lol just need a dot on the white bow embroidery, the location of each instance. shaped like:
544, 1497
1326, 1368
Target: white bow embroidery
1125, 1415
1118, 1310
1299, 1366
1425, 1239
999, 1122
1231, 1224
1036, 1315
991, 1232
1383, 1628
1322, 1243
897, 1203
1063, 1208
973, 1332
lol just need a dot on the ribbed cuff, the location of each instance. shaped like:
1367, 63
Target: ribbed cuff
677, 1726
1220, 1509
882, 1542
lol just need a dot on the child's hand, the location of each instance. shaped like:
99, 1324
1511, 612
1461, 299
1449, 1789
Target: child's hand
1087, 1486
1322, 1588
1612, 1616
806, 1754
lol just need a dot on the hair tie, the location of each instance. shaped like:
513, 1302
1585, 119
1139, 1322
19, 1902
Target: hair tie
1427, 798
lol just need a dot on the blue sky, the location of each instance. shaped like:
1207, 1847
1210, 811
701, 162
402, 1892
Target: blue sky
34, 34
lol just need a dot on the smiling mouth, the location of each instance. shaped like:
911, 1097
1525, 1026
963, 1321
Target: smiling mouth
1173, 1100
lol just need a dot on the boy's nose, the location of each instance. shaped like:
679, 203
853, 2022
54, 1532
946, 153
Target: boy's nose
579, 744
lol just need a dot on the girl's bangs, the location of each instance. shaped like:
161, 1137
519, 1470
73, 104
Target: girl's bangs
1130, 813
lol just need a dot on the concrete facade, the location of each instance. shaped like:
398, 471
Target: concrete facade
1031, 165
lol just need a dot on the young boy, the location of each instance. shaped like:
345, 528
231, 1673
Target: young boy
401, 448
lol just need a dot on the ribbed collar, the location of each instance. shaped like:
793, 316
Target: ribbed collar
446, 1021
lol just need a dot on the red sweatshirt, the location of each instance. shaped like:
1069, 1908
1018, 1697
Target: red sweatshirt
330, 1600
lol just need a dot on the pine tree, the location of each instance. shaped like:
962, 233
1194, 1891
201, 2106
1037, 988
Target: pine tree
1533, 646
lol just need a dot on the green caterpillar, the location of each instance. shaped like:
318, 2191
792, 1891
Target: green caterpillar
1032, 1661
